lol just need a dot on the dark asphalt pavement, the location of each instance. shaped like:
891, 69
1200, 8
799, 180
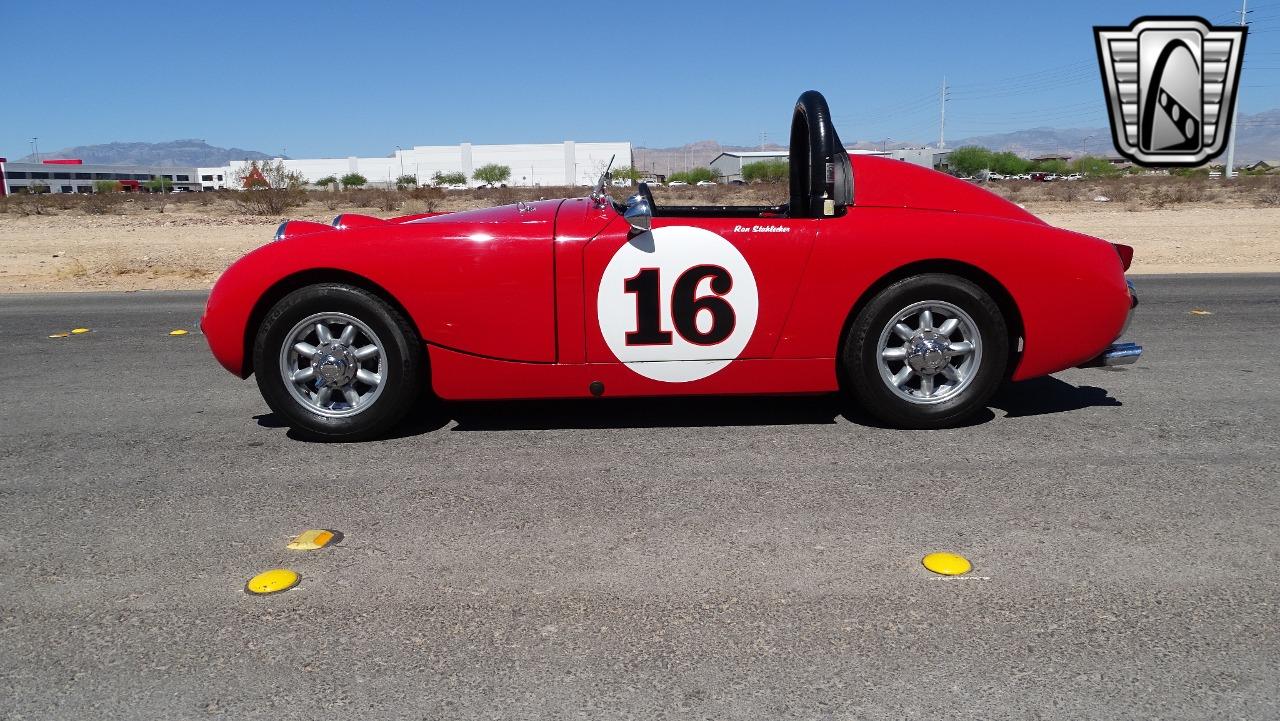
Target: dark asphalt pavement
726, 559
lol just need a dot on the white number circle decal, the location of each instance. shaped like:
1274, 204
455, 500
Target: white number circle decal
677, 303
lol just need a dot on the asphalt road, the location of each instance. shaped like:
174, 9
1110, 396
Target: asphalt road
725, 559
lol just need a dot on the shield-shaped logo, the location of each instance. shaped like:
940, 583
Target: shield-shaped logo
1171, 85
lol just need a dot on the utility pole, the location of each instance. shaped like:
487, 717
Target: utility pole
764, 139
942, 124
35, 148
1229, 172
400, 154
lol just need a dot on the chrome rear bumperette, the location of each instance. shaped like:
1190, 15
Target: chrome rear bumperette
1116, 354
1119, 354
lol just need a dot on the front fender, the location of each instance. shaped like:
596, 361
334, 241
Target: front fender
485, 289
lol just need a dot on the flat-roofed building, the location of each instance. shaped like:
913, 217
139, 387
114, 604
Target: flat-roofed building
543, 164
51, 176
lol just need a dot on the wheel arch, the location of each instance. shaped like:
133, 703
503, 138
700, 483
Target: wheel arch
993, 287
302, 279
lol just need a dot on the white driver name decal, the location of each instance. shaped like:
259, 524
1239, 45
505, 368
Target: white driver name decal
677, 304
761, 229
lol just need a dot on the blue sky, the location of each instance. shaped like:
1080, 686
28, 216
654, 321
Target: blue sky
344, 78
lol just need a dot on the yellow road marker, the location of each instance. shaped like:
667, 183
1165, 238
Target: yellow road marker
948, 564
273, 581
79, 331
179, 331
59, 335
1198, 311
311, 540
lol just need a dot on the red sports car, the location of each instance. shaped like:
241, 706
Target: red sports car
914, 292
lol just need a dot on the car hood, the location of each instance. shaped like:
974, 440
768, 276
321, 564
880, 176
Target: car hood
518, 213
886, 183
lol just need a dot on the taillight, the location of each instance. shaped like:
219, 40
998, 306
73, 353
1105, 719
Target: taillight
1126, 254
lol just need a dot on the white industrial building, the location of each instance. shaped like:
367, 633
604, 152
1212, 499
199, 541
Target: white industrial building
556, 164
75, 176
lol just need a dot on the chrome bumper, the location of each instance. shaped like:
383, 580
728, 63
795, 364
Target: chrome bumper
1116, 354
1119, 354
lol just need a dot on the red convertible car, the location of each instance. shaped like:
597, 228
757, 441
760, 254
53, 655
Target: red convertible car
916, 293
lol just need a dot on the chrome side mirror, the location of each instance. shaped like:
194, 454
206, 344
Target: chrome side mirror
638, 213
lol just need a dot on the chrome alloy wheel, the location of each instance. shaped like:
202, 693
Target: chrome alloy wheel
929, 352
333, 364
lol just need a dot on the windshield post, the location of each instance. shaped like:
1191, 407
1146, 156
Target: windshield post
598, 194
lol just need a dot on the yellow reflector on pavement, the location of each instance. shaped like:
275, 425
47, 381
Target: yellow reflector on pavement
179, 331
310, 540
273, 581
948, 564
59, 335
79, 331
1198, 311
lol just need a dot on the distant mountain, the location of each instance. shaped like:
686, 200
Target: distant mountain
1258, 139
175, 152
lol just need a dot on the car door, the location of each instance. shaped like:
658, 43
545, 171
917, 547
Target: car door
685, 299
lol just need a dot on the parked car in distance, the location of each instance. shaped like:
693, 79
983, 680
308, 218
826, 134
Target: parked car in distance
705, 183
676, 183
1073, 176
737, 182
995, 176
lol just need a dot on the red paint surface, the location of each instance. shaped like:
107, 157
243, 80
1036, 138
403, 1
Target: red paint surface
63, 161
504, 297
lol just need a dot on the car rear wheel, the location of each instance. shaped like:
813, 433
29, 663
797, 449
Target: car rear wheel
926, 352
337, 362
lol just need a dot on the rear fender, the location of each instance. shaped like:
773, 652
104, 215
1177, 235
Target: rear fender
1069, 289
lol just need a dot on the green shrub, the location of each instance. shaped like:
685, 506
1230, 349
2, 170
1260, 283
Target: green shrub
766, 171
158, 184
693, 176
969, 159
439, 178
353, 180
627, 173
492, 174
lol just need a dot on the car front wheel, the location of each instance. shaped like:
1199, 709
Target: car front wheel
338, 362
926, 352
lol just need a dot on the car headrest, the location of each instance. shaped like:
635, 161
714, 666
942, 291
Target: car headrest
820, 167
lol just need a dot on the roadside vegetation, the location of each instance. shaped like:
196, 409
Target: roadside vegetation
287, 194
766, 171
492, 174
694, 176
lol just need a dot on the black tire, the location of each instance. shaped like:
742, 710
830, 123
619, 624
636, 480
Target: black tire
860, 355
402, 367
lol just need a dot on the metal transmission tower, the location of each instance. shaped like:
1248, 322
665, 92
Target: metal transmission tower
1229, 171
942, 124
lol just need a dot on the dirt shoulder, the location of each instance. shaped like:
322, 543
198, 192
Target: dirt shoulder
187, 248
